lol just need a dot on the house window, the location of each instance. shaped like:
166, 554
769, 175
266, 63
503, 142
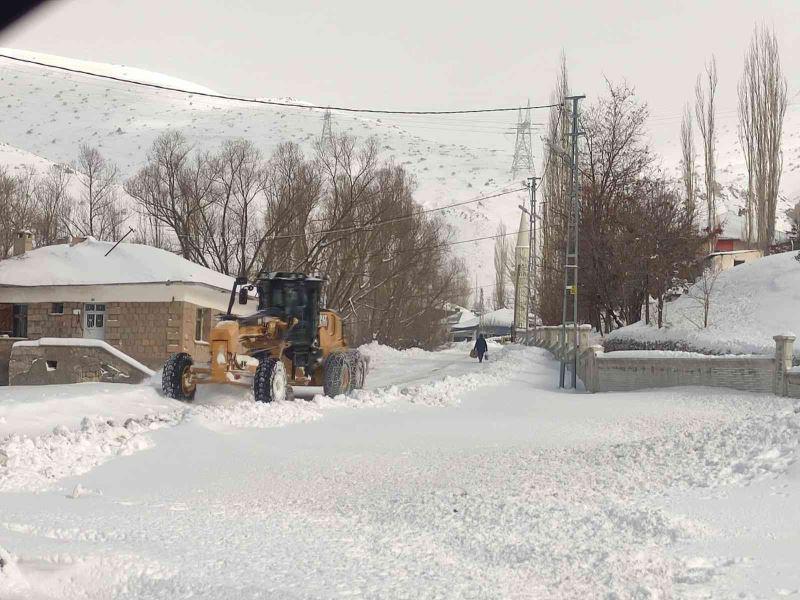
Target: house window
201, 318
20, 319
736, 263
57, 308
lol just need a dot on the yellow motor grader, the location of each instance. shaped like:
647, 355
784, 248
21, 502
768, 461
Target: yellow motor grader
289, 341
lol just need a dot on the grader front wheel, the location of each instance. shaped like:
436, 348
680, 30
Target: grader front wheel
270, 382
176, 377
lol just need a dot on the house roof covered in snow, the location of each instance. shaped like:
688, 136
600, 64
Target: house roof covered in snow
86, 263
502, 317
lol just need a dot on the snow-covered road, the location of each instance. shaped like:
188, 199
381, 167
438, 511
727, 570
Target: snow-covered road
447, 479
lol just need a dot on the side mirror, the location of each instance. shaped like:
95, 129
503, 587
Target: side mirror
243, 293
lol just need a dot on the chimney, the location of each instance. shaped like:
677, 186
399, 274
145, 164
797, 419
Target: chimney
23, 242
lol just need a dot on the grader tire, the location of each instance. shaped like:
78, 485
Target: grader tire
337, 379
270, 382
176, 378
358, 369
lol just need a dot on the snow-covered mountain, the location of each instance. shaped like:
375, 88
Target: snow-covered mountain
47, 113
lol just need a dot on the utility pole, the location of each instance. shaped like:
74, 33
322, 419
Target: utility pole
532, 247
571, 253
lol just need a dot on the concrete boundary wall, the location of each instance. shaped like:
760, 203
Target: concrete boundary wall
72, 360
613, 371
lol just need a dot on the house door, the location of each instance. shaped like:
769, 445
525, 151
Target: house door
20, 320
94, 321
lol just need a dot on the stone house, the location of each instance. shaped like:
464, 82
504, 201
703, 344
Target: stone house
143, 301
722, 260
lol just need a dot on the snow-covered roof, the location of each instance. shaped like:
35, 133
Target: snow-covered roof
85, 263
502, 317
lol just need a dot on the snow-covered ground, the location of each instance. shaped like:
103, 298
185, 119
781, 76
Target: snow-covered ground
445, 479
749, 304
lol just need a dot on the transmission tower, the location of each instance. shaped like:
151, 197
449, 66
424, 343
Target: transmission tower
523, 147
569, 312
327, 130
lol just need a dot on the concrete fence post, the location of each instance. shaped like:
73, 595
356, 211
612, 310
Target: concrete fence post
784, 350
592, 370
583, 336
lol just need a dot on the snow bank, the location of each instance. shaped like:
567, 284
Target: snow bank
749, 304
34, 463
12, 583
380, 355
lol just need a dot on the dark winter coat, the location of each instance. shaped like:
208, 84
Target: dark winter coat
480, 346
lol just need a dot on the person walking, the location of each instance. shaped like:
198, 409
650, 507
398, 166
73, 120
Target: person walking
481, 347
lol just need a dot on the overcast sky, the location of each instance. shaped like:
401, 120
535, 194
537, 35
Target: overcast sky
419, 54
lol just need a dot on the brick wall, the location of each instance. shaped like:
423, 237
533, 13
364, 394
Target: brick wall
146, 331
5, 356
43, 323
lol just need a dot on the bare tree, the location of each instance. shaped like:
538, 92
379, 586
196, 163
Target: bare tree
503, 268
762, 107
554, 204
688, 156
54, 205
174, 190
705, 111
8, 187
97, 213
702, 291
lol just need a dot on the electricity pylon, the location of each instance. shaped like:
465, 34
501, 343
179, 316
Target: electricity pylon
523, 147
327, 130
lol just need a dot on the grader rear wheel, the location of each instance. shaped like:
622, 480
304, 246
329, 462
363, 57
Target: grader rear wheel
338, 378
358, 369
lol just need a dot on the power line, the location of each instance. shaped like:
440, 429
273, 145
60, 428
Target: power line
267, 102
444, 245
368, 226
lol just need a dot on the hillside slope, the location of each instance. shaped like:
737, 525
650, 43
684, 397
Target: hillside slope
49, 113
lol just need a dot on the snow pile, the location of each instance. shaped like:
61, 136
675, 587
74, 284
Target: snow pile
12, 583
711, 456
33, 463
380, 355
249, 413
750, 304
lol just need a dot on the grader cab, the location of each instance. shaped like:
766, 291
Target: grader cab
289, 341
